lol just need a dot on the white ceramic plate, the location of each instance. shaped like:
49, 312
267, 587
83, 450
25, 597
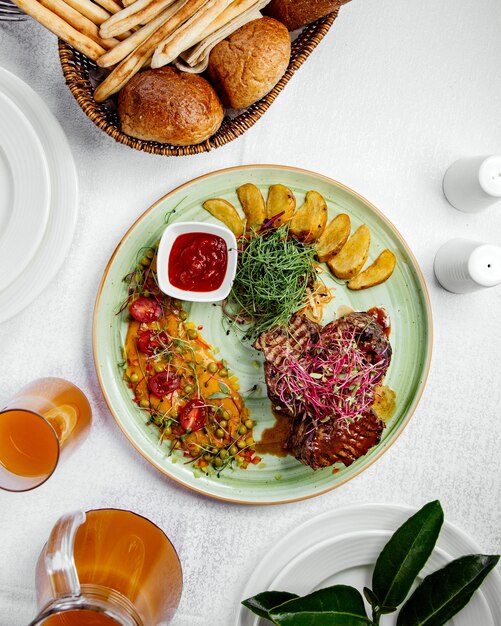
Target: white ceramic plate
340, 547
24, 191
63, 203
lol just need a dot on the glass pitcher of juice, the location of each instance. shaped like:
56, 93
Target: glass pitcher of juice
107, 567
44, 422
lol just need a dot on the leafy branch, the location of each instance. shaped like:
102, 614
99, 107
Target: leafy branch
434, 602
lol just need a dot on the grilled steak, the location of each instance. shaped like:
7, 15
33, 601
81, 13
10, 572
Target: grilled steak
320, 444
280, 341
368, 334
335, 441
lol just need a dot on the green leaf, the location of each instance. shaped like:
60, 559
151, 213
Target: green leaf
264, 602
377, 610
329, 618
339, 605
370, 596
405, 554
386, 610
445, 592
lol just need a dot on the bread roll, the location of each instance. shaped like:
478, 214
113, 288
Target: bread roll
245, 66
297, 13
169, 106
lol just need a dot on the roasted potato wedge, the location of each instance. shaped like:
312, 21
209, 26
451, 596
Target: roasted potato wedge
375, 274
280, 201
351, 258
309, 221
253, 206
334, 237
225, 212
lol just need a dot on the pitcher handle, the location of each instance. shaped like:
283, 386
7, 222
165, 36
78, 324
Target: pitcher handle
59, 560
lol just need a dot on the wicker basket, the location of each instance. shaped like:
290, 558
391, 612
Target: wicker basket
76, 68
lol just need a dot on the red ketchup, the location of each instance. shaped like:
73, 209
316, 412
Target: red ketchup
198, 261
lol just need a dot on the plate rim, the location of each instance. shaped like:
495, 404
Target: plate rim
64, 189
331, 181
43, 202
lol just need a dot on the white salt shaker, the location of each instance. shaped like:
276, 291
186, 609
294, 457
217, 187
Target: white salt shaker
462, 266
474, 183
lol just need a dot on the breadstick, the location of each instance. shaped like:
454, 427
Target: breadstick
78, 21
240, 12
188, 35
110, 5
92, 11
120, 51
59, 27
131, 65
234, 10
95, 13
141, 12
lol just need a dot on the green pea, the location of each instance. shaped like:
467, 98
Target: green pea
233, 450
223, 372
188, 389
249, 424
168, 430
207, 456
212, 367
177, 303
242, 430
249, 441
158, 420
150, 254
226, 415
145, 261
224, 454
134, 378
223, 423
218, 462
192, 333
144, 403
183, 315
159, 368
241, 444
220, 433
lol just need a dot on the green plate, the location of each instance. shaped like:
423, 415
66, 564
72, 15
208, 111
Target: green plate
404, 296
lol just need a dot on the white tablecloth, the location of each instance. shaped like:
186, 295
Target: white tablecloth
395, 93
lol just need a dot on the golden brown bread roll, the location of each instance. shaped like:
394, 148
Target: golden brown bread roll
297, 13
245, 66
169, 106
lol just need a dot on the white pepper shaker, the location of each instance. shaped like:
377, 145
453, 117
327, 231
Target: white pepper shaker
473, 184
462, 266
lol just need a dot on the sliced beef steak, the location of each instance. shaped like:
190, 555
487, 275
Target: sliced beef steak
333, 441
368, 334
314, 443
280, 341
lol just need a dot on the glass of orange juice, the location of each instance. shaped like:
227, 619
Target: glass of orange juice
41, 424
107, 567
